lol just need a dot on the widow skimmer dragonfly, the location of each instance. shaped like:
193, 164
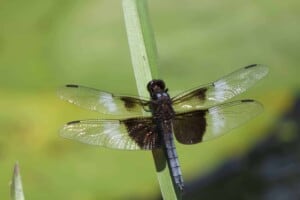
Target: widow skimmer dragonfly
193, 116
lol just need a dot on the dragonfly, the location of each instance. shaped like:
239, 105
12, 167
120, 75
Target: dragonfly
194, 116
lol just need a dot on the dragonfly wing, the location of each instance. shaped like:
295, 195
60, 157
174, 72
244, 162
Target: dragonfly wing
201, 125
103, 102
129, 134
219, 91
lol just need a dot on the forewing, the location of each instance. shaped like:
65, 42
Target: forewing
221, 90
103, 102
201, 125
129, 134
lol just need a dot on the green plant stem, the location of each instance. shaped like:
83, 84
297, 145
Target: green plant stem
144, 61
16, 189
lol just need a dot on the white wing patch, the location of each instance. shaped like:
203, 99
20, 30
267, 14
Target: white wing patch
221, 88
108, 102
218, 122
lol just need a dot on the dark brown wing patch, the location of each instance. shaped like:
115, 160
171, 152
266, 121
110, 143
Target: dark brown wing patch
201, 93
132, 103
143, 132
189, 127
196, 94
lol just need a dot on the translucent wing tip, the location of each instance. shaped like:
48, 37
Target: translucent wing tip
64, 92
258, 106
63, 131
60, 92
66, 131
263, 69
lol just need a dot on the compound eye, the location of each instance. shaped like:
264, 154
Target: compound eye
161, 84
150, 86
156, 85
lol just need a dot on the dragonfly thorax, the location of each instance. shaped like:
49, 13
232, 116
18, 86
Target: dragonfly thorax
161, 104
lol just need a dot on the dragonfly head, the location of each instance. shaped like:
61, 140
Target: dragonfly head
156, 86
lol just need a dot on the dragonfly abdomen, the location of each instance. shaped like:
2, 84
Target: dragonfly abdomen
173, 158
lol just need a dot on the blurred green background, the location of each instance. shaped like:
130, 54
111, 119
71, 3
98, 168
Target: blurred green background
46, 44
